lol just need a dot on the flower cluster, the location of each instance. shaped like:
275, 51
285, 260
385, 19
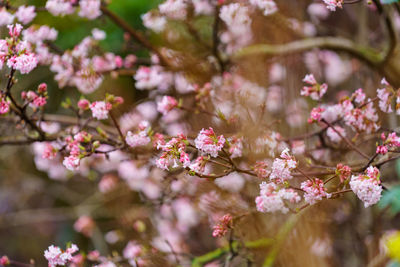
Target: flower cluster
77, 146
267, 6
224, 223
361, 118
314, 190
141, 138
315, 90
272, 198
235, 146
56, 257
16, 53
282, 167
166, 104
333, 4
36, 99
316, 114
4, 104
392, 140
173, 152
343, 171
260, 168
367, 186
209, 143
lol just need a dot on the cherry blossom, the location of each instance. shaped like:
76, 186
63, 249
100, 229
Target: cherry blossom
224, 223
272, 198
25, 14
166, 104
315, 90
314, 191
367, 186
56, 257
333, 4
100, 109
208, 142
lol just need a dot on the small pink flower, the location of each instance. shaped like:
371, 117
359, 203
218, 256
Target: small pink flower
223, 225
343, 171
4, 261
314, 190
315, 90
84, 225
83, 104
49, 152
208, 142
316, 114
39, 101
4, 106
25, 14
71, 162
166, 104
381, 150
42, 88
135, 140
100, 109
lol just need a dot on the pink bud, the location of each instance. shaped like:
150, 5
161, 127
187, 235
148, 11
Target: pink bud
4, 261
119, 62
118, 100
83, 104
42, 88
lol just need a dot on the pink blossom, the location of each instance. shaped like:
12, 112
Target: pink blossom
316, 114
343, 171
83, 104
60, 7
272, 198
282, 167
4, 261
385, 101
4, 106
56, 257
203, 7
381, 150
359, 96
260, 168
199, 165
207, 142
39, 101
107, 183
98, 34
148, 77
367, 186
220, 229
314, 190
238, 21
360, 119
49, 152
174, 9
84, 225
333, 4
166, 104
71, 162
89, 8
25, 63
154, 22
298, 147
135, 140
235, 146
5, 17
267, 6
100, 109
25, 14
315, 90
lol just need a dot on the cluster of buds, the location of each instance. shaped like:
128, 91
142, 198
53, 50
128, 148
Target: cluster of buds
314, 190
16, 53
392, 140
166, 104
100, 109
79, 146
4, 104
173, 152
343, 171
260, 168
314, 89
36, 99
142, 137
221, 228
316, 115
